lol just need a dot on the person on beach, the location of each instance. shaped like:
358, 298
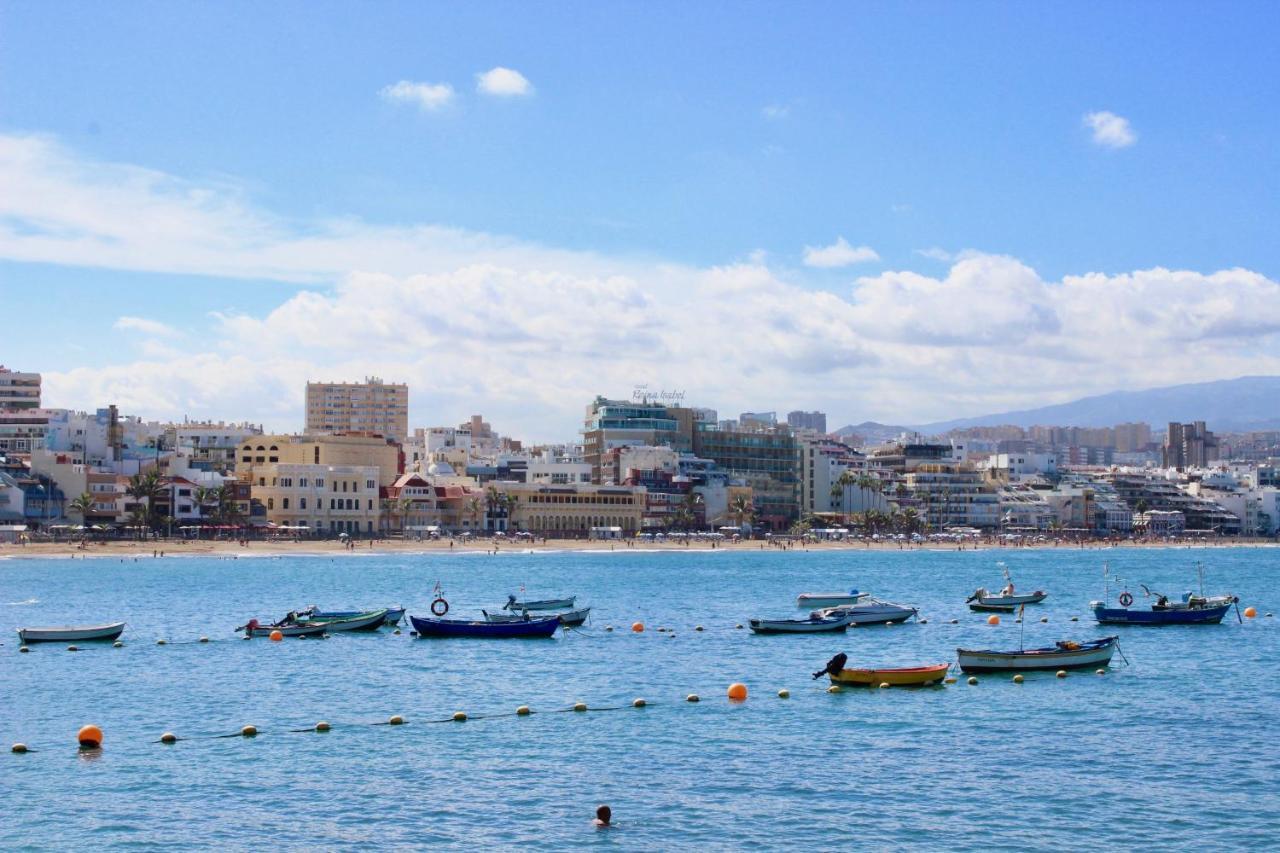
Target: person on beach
604, 815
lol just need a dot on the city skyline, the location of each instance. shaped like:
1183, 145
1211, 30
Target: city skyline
506, 230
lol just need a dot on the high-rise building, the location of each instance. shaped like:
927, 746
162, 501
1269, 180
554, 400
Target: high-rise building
767, 460
372, 406
758, 420
18, 390
816, 421
1189, 446
627, 423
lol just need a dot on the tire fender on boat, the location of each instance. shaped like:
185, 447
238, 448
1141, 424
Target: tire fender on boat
439, 607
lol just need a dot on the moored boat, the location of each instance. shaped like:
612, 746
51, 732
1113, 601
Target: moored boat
983, 607
868, 611
812, 625
1006, 597
829, 599
71, 633
370, 621
541, 604
569, 618
1064, 654
313, 614
254, 628
497, 630
1189, 610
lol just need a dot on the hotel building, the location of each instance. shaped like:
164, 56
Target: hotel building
372, 406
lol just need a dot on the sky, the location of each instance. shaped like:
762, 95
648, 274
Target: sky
895, 212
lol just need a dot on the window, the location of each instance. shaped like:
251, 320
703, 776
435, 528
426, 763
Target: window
302, 503
344, 485
271, 503
302, 482
320, 482
284, 503
370, 484
370, 503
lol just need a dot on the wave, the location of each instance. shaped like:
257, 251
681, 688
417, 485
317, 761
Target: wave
22, 603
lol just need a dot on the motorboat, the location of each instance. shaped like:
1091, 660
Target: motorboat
254, 628
569, 618
907, 676
829, 599
1189, 609
868, 611
370, 621
495, 630
1064, 654
71, 633
314, 614
1007, 597
814, 624
542, 604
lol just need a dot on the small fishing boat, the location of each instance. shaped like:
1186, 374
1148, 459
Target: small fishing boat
254, 628
543, 604
71, 633
1064, 654
829, 599
812, 625
569, 618
907, 676
495, 630
314, 614
1188, 610
868, 611
1007, 597
983, 607
370, 621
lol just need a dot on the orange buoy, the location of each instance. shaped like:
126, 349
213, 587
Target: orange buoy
1250, 612
738, 691
638, 627
90, 737
396, 720
276, 636
993, 619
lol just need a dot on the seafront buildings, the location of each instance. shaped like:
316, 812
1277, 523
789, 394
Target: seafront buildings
646, 464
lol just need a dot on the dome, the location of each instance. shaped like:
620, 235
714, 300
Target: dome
440, 469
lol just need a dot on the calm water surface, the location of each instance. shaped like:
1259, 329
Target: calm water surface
1177, 749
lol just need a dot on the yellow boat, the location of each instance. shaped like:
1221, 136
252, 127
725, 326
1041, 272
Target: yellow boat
911, 676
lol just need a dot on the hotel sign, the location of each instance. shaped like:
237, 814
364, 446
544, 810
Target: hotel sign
642, 394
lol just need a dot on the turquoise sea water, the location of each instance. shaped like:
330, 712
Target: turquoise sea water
1178, 749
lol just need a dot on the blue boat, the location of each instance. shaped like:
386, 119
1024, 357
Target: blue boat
496, 630
1190, 610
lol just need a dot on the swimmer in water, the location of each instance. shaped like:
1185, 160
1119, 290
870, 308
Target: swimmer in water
604, 815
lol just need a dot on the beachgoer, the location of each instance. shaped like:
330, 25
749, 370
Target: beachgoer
604, 815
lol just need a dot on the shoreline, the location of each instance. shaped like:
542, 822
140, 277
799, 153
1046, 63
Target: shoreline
375, 548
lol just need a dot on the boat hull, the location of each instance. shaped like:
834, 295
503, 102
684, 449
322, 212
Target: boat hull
1091, 654
1010, 600
534, 628
982, 607
544, 604
876, 613
363, 622
394, 615
72, 633
304, 630
914, 676
1187, 616
799, 626
569, 618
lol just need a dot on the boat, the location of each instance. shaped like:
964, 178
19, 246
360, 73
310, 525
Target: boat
829, 599
544, 604
983, 607
71, 633
312, 613
370, 621
1064, 654
254, 628
1188, 610
812, 625
1007, 597
569, 618
868, 611
905, 676
466, 628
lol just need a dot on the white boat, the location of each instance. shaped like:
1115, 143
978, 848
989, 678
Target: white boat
814, 624
569, 618
1065, 654
71, 633
868, 611
543, 604
829, 599
1005, 598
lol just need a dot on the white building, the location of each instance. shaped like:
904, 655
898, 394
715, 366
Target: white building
18, 390
324, 498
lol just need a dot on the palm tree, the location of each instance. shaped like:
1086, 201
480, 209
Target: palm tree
146, 487
473, 510
403, 507
742, 508
911, 519
83, 505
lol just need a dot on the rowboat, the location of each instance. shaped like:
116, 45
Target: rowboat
1189, 610
983, 607
312, 614
829, 599
298, 629
569, 618
543, 604
907, 676
1064, 654
71, 633
812, 625
370, 621
466, 628
869, 611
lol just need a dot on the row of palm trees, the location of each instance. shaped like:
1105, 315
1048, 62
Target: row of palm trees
872, 521
148, 487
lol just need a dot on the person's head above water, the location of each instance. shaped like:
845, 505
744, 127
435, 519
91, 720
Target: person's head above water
603, 815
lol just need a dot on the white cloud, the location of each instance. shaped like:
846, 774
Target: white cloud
1110, 130
838, 254
527, 334
148, 327
934, 253
775, 112
427, 96
503, 82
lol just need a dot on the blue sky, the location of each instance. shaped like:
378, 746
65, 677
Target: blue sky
700, 137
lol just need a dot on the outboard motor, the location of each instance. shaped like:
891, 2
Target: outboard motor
833, 666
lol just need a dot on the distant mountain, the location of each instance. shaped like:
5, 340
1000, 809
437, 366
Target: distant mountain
1228, 405
872, 432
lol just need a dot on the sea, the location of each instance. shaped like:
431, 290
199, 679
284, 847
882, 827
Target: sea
1175, 747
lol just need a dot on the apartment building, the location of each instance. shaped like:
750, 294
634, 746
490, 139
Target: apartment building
18, 390
373, 406
326, 499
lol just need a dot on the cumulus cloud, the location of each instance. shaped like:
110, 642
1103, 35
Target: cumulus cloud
503, 82
1110, 130
147, 327
838, 254
426, 96
527, 334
